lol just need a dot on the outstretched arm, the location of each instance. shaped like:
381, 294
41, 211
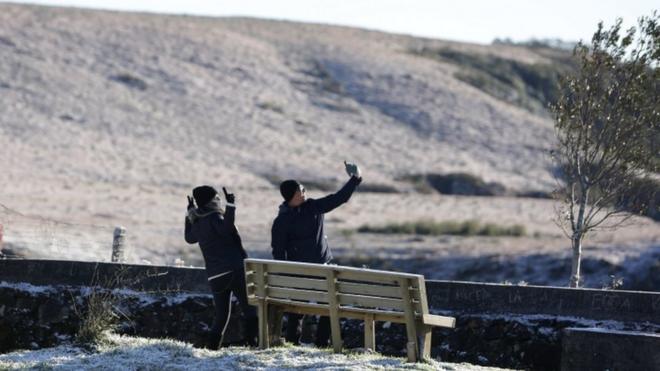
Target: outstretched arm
330, 202
230, 210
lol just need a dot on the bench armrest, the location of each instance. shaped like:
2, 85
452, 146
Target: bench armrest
440, 321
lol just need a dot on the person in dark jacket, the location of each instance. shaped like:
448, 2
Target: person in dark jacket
298, 235
223, 252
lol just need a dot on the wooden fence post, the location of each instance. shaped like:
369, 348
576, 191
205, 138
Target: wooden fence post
118, 245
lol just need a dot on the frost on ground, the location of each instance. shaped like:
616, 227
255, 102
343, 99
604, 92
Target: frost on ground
111, 118
131, 353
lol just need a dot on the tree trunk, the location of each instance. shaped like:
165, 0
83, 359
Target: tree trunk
577, 258
578, 234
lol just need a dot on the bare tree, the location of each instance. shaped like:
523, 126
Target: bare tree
607, 123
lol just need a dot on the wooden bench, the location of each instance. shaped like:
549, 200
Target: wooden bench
344, 292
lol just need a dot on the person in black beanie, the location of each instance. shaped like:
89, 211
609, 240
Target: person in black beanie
223, 252
298, 235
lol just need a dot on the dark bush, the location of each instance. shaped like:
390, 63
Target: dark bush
455, 184
130, 81
534, 194
7, 42
377, 188
316, 184
531, 86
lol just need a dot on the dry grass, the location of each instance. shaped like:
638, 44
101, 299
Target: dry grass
433, 228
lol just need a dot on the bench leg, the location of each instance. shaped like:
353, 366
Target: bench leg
411, 324
263, 325
411, 346
369, 332
335, 330
424, 332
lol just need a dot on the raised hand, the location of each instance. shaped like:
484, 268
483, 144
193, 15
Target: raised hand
191, 203
352, 169
229, 197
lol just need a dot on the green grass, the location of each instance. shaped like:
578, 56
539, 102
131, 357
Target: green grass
433, 228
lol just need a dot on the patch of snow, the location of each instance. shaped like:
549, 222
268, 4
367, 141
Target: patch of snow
528, 320
21, 286
547, 331
145, 298
619, 332
131, 353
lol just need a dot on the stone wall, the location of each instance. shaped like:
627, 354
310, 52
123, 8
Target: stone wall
497, 325
484, 298
75, 273
596, 349
43, 316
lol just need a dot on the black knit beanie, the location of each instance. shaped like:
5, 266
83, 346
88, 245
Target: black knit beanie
288, 188
204, 194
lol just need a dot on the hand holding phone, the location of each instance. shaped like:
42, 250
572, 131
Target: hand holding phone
229, 197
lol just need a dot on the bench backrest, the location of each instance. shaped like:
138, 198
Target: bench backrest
324, 286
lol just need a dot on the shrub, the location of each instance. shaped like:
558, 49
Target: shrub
96, 318
99, 313
455, 184
130, 81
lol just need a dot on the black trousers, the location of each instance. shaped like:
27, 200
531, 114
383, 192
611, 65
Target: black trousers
222, 288
322, 330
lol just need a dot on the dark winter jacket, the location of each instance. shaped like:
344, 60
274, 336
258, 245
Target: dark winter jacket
219, 240
298, 233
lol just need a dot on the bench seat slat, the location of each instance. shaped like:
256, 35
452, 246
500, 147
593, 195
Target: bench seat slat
369, 289
344, 312
367, 277
377, 290
370, 301
296, 294
297, 282
309, 271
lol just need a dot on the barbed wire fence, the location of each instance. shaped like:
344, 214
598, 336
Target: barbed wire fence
28, 236
38, 237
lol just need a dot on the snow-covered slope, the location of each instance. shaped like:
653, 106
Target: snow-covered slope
121, 98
